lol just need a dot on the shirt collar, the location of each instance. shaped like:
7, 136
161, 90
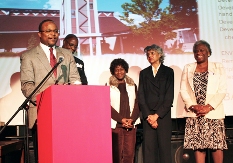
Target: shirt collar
45, 47
154, 68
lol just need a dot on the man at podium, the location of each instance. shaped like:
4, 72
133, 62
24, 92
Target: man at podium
36, 64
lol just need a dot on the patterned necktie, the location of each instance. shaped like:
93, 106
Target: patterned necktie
53, 61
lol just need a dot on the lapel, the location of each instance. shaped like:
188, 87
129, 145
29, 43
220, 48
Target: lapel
59, 54
161, 71
213, 77
149, 74
211, 68
63, 69
211, 74
155, 80
190, 71
44, 60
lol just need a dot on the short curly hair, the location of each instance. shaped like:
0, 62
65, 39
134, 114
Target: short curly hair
118, 62
202, 42
70, 36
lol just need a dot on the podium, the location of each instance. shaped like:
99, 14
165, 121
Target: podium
74, 124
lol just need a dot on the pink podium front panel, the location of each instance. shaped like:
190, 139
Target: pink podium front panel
74, 124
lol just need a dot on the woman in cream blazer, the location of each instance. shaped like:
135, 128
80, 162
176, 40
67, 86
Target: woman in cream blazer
203, 88
216, 90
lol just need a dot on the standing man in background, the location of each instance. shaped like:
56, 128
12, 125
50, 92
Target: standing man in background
156, 93
37, 62
71, 42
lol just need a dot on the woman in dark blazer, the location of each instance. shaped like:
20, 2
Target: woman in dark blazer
156, 93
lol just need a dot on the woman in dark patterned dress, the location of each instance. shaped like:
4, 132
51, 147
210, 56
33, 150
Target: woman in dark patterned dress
203, 88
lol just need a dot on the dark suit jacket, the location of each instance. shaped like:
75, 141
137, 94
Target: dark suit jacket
80, 66
156, 93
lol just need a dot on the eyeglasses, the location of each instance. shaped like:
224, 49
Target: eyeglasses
51, 31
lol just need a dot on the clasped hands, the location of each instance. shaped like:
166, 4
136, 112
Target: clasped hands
127, 123
200, 110
152, 120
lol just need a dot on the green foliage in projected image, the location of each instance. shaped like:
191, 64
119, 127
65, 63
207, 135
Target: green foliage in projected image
158, 21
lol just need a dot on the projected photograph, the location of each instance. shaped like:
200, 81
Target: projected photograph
105, 27
171, 24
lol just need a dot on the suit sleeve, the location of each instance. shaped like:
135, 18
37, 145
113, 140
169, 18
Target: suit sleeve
27, 76
187, 96
141, 98
80, 67
221, 91
74, 76
168, 95
82, 74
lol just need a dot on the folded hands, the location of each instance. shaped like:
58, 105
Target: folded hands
201, 110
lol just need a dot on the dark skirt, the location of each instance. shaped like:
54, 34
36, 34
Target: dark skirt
203, 133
